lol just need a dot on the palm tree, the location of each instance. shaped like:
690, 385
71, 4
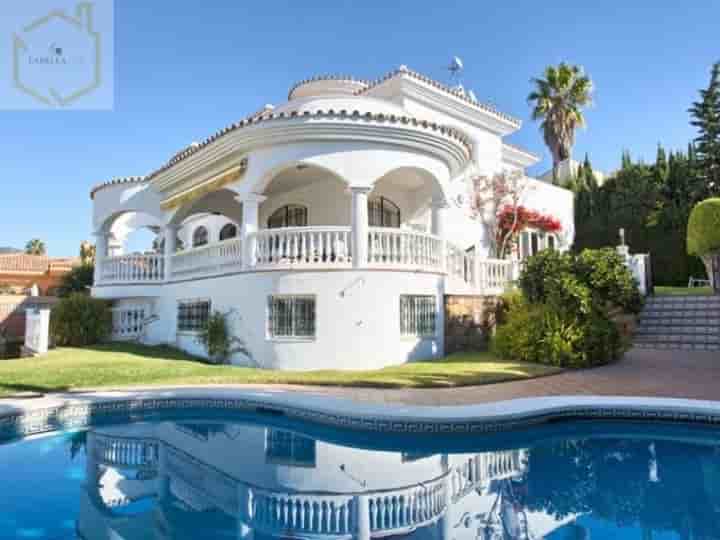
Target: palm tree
558, 100
35, 247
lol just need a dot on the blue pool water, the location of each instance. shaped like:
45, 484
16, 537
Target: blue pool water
258, 478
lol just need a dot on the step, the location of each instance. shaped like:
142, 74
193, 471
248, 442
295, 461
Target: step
678, 320
676, 346
706, 312
677, 338
708, 331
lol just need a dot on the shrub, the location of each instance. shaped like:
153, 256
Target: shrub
609, 279
80, 320
215, 337
77, 280
703, 231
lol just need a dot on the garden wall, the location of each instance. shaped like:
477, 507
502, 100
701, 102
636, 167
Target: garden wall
12, 313
469, 322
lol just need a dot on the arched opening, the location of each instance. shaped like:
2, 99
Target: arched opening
290, 215
382, 212
228, 231
132, 233
200, 236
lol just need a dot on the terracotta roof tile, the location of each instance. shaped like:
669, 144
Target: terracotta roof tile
20, 263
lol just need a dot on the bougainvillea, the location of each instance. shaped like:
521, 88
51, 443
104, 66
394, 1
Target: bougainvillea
508, 221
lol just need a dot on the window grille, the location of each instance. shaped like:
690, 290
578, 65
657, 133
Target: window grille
193, 315
288, 448
417, 315
291, 316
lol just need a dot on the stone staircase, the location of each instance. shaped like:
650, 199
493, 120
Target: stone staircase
680, 322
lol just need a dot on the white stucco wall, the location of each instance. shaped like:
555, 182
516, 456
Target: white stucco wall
357, 317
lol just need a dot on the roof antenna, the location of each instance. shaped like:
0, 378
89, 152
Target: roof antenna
455, 67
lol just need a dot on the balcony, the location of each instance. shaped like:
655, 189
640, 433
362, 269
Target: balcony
319, 248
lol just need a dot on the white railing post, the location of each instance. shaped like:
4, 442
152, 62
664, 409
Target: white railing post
362, 517
250, 226
359, 214
170, 246
100, 255
437, 228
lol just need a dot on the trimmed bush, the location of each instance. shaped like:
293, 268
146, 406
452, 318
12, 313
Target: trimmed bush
605, 272
80, 320
77, 280
703, 231
215, 337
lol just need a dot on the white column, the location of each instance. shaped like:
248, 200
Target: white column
359, 231
362, 517
170, 237
437, 228
101, 247
249, 226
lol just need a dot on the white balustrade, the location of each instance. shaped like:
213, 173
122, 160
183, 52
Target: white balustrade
137, 268
207, 260
479, 470
301, 513
494, 275
396, 511
125, 451
303, 246
128, 321
404, 248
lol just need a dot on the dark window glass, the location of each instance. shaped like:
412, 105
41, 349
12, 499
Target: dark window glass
228, 231
383, 212
292, 215
200, 237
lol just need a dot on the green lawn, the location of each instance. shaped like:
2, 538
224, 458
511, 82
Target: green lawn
683, 291
116, 365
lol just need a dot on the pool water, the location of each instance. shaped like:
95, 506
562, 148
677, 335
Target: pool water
258, 478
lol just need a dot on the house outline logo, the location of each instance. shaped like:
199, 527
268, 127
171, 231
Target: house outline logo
82, 22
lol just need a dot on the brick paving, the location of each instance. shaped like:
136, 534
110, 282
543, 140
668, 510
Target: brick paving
641, 372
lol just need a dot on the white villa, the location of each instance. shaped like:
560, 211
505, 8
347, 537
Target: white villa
330, 229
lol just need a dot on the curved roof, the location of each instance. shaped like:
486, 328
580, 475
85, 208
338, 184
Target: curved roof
117, 181
350, 103
326, 84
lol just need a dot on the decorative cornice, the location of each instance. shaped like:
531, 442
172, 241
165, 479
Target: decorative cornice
405, 71
330, 114
117, 181
519, 155
331, 77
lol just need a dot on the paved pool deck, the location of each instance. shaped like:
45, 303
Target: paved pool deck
640, 373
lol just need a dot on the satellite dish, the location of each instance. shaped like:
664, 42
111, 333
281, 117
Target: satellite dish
456, 66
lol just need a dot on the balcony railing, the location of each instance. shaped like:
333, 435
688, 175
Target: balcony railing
403, 248
133, 269
302, 246
317, 247
208, 260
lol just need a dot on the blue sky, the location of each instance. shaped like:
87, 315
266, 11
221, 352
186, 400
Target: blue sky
184, 69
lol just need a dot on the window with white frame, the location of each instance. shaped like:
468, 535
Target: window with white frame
291, 317
533, 241
192, 315
417, 315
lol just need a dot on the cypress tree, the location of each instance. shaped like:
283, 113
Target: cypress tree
662, 167
705, 115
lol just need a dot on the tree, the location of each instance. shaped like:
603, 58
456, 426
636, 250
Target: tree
703, 235
705, 115
87, 253
77, 280
558, 100
35, 247
493, 194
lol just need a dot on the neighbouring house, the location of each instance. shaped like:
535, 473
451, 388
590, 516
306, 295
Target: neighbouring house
19, 272
331, 229
569, 169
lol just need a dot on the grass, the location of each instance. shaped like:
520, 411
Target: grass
683, 291
116, 365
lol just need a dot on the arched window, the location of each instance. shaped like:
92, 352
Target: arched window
383, 212
228, 231
291, 215
200, 236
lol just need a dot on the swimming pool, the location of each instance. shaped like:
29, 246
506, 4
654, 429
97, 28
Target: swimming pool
252, 476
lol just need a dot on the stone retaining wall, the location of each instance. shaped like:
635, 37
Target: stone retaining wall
469, 322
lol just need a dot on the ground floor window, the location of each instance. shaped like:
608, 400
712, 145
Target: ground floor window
291, 316
192, 315
417, 315
532, 242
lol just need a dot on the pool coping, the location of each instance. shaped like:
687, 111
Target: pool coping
73, 411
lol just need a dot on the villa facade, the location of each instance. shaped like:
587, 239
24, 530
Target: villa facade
328, 229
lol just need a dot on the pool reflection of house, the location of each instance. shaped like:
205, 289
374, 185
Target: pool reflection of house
205, 480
